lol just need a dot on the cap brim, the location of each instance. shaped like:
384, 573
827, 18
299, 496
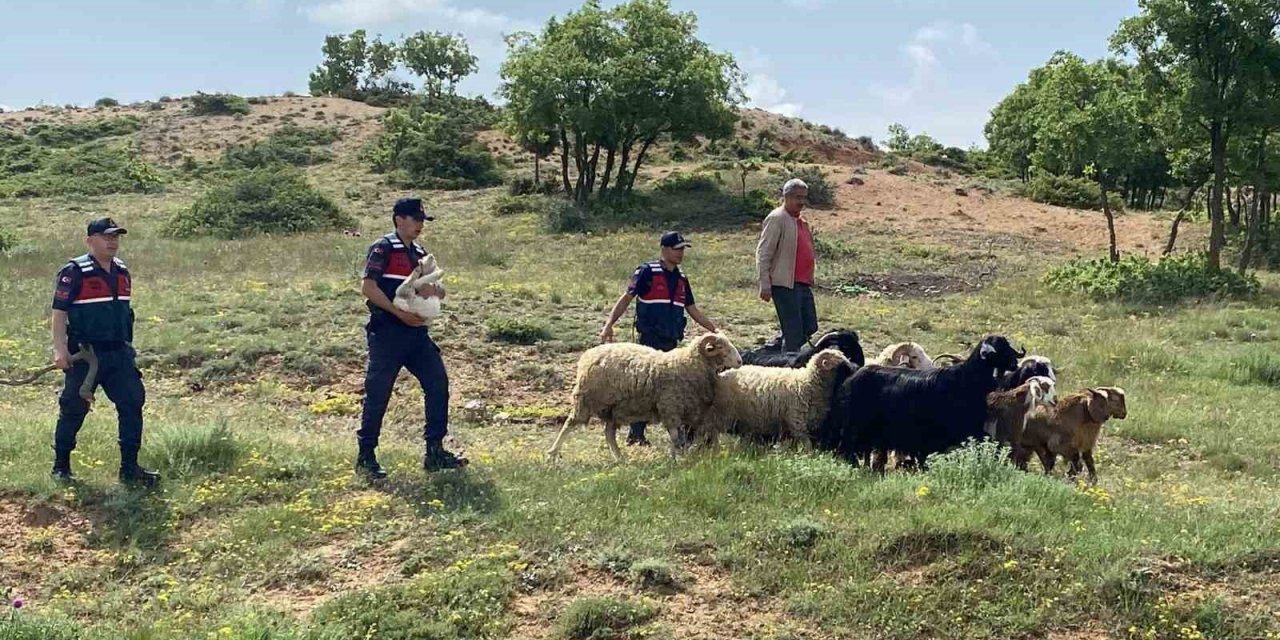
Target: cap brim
113, 231
682, 245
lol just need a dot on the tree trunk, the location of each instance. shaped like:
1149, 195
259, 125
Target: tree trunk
1254, 216
1233, 208
608, 171
564, 165
631, 179
592, 164
1218, 153
1173, 231
536, 175
1111, 223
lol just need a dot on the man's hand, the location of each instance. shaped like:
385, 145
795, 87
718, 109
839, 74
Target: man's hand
411, 319
62, 359
766, 294
606, 334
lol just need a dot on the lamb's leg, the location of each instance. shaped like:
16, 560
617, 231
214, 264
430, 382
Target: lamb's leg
569, 424
676, 435
1088, 462
611, 436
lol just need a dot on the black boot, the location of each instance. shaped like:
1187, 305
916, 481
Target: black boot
62, 466
132, 473
438, 459
367, 464
636, 436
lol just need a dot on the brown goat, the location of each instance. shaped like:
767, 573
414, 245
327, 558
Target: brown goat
1007, 413
1071, 429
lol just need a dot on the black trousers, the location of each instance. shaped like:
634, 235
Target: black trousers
661, 344
796, 314
392, 347
119, 377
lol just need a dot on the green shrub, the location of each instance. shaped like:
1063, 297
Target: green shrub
822, 192
261, 201
526, 186
101, 103
515, 331
679, 181
291, 145
562, 216
600, 618
67, 135
8, 240
1137, 279
834, 248
218, 104
972, 468
97, 168
798, 533
1066, 191
422, 149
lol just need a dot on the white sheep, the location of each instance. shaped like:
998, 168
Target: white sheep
904, 354
621, 383
408, 298
773, 402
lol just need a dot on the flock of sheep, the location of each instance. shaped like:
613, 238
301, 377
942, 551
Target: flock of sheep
829, 397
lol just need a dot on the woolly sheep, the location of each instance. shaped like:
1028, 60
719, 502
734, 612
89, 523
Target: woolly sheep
772, 402
621, 383
904, 354
407, 297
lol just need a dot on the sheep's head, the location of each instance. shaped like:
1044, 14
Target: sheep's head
1116, 407
1037, 366
1044, 391
829, 360
427, 264
717, 350
844, 340
999, 353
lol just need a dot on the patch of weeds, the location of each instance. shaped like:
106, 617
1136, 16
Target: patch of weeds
513, 331
197, 449
654, 573
798, 533
599, 618
615, 560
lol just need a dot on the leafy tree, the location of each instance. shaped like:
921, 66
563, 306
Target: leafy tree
1089, 125
441, 59
357, 69
1204, 57
611, 83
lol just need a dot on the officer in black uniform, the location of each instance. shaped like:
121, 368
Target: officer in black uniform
399, 339
664, 296
91, 309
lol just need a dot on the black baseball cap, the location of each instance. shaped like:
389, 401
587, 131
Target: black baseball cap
104, 226
411, 207
674, 240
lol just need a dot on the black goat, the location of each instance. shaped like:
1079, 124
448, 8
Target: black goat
1028, 368
844, 340
915, 412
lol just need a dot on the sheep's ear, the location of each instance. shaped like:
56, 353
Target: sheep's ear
1098, 409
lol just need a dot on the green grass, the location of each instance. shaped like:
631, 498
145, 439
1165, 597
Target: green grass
253, 350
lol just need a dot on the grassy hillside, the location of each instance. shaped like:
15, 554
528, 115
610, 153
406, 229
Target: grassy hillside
253, 351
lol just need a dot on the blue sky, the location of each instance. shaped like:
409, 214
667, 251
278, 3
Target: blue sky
937, 66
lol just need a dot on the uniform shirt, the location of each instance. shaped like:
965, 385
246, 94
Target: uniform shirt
389, 264
662, 297
96, 300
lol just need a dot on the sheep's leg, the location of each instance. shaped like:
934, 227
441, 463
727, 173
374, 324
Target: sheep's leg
611, 437
1073, 465
569, 424
1047, 460
1088, 461
878, 460
676, 435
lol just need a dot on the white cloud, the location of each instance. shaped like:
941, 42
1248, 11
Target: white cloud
4, 108
372, 12
922, 53
762, 89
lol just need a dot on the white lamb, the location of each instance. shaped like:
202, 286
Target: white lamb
904, 354
773, 402
408, 296
621, 383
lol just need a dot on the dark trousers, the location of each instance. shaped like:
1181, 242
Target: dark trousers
796, 314
393, 346
661, 344
119, 377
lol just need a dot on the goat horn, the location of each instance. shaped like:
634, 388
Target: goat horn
1023, 353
